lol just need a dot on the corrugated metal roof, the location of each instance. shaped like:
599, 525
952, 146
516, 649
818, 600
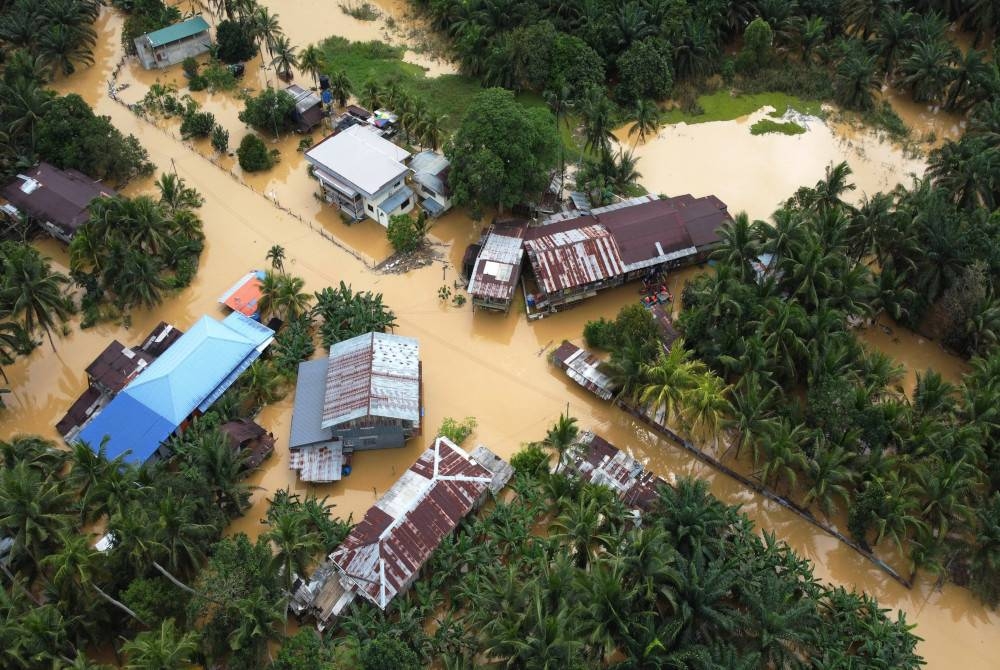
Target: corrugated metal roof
373, 375
242, 297
61, 197
431, 169
585, 369
384, 552
394, 201
178, 31
569, 258
360, 156
596, 460
307, 413
498, 266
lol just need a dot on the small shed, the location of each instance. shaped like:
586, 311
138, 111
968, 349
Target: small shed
597, 461
251, 439
243, 296
308, 108
171, 45
430, 179
497, 268
585, 369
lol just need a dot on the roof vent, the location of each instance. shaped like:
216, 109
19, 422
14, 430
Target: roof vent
29, 184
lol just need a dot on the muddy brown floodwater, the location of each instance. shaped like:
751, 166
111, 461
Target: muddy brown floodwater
487, 366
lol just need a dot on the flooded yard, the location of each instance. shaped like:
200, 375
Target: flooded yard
479, 364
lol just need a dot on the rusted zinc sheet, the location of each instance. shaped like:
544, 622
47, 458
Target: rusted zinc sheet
565, 259
595, 460
498, 266
116, 366
585, 369
373, 375
382, 555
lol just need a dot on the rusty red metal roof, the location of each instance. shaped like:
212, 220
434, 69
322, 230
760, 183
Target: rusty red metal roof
582, 254
117, 365
497, 267
596, 460
383, 553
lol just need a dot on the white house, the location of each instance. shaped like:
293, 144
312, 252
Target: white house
363, 173
430, 180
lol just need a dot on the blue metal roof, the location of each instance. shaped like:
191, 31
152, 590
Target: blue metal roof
190, 375
130, 426
178, 31
433, 207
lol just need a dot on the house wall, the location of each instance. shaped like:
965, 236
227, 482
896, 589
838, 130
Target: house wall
366, 205
425, 192
372, 209
173, 53
55, 231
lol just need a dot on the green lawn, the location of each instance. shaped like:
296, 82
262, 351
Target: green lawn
768, 126
448, 95
721, 106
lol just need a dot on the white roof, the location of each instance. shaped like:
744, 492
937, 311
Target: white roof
360, 156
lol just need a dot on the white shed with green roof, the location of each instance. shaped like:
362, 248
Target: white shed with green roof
171, 45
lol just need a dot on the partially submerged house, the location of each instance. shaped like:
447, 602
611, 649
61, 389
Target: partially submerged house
171, 45
56, 200
110, 372
365, 395
250, 439
584, 368
363, 174
595, 460
308, 111
182, 383
430, 181
497, 268
384, 553
573, 255
244, 295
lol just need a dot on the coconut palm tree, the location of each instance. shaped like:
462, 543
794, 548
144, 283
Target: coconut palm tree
276, 254
830, 475
163, 649
752, 405
284, 57
13, 340
810, 31
31, 292
646, 120
560, 437
266, 29
311, 62
258, 619
783, 453
706, 408
26, 103
739, 245
854, 80
341, 89
33, 509
175, 194
598, 126
371, 96
181, 534
295, 546
61, 46
927, 71
895, 33
667, 381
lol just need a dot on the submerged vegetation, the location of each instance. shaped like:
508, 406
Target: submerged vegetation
765, 126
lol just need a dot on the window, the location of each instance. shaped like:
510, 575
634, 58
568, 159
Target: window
396, 184
370, 208
406, 203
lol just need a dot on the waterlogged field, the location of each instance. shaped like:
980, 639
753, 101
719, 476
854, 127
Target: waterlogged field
482, 365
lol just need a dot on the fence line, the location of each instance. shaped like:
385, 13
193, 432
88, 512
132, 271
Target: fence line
325, 234
762, 490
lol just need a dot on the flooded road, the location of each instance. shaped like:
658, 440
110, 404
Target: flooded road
488, 366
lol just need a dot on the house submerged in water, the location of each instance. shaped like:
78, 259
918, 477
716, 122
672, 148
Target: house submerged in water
171, 45
365, 395
384, 553
573, 255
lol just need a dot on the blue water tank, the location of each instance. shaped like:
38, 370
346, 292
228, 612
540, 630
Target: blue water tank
345, 471
327, 97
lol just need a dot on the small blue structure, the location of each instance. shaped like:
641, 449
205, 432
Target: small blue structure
187, 378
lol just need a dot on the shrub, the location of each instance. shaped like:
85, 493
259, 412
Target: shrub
218, 77
254, 156
457, 431
190, 67
220, 139
765, 126
197, 124
405, 234
271, 111
599, 334
197, 83
531, 461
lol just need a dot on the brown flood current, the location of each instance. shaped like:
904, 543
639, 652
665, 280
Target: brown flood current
487, 366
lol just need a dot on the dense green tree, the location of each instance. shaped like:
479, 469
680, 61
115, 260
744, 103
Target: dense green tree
645, 71
501, 152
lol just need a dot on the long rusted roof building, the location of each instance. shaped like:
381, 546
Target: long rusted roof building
573, 255
383, 554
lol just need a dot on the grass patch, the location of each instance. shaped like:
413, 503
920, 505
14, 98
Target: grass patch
363, 11
447, 95
768, 126
721, 106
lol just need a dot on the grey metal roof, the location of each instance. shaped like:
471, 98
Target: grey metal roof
373, 375
394, 201
307, 414
361, 157
430, 169
498, 266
